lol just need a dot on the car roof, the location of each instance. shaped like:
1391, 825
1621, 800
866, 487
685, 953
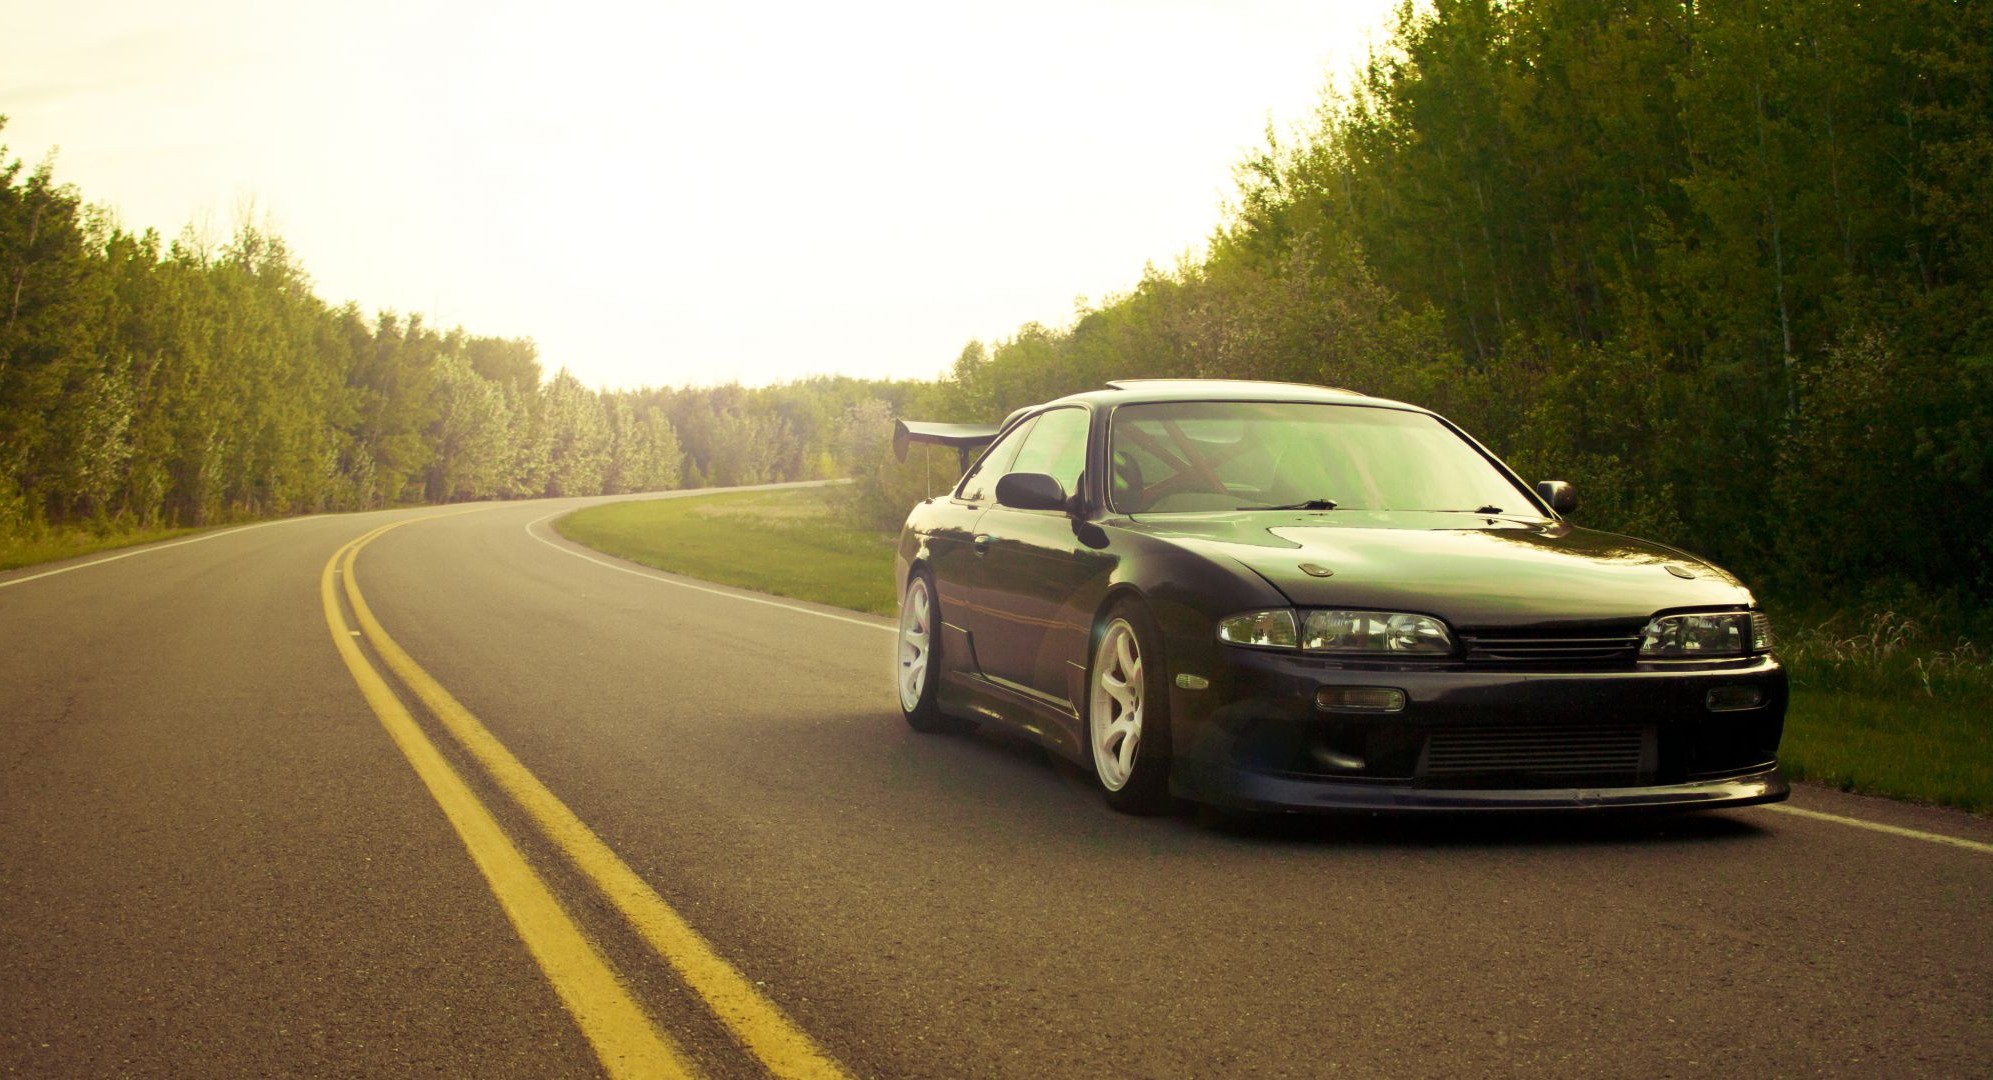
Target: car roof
1151, 391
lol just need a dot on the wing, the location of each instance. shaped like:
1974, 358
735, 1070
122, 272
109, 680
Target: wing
963, 437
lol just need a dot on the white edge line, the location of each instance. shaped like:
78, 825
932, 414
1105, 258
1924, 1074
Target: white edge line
1876, 826
649, 574
147, 548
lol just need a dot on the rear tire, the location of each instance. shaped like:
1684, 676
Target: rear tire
919, 670
1127, 719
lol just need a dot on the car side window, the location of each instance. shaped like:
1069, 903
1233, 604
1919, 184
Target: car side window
1056, 446
980, 484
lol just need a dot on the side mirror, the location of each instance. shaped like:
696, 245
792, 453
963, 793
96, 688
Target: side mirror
1030, 491
1562, 497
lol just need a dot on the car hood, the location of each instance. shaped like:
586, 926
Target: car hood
1473, 571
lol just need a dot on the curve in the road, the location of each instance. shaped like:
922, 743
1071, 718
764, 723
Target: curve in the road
624, 1038
758, 1023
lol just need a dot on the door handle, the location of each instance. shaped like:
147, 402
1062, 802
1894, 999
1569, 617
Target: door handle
981, 543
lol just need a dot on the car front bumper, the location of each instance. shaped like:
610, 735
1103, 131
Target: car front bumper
1471, 738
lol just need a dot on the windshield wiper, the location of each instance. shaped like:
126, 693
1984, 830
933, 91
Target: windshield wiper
1483, 510
1310, 504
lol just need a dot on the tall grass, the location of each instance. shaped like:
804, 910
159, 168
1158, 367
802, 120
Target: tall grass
1886, 654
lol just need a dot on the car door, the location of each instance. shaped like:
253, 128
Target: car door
1035, 569
957, 558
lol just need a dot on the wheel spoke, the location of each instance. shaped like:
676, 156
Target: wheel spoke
1119, 691
1125, 753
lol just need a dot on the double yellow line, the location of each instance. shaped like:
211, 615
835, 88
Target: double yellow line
626, 1040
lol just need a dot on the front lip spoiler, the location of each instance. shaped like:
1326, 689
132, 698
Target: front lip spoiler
1245, 790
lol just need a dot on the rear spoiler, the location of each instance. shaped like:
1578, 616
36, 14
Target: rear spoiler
963, 437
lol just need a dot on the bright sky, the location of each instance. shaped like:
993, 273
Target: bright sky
683, 194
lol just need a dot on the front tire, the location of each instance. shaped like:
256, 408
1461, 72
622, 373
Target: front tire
1128, 724
919, 671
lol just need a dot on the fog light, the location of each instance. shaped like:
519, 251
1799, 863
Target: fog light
1360, 698
1733, 698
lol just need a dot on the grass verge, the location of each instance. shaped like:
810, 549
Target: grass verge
1876, 707
787, 542
16, 552
1924, 749
1883, 704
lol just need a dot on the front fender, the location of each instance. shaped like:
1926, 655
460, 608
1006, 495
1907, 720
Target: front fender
1188, 592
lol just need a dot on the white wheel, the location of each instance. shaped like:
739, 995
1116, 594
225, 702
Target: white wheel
1127, 717
1116, 712
916, 642
920, 658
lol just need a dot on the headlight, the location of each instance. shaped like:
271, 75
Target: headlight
1375, 632
1269, 628
1686, 637
1368, 632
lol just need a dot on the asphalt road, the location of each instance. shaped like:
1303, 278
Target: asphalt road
215, 860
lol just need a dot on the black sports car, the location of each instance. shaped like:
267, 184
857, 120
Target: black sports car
1270, 596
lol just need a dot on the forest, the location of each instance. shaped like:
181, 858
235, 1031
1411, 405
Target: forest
1727, 268
146, 384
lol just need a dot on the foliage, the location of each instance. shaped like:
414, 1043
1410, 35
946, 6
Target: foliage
1728, 268
883, 487
1887, 655
145, 385
1732, 207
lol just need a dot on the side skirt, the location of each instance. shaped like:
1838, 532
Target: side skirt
1046, 719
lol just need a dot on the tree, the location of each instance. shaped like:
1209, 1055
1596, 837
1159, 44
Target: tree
470, 453
578, 438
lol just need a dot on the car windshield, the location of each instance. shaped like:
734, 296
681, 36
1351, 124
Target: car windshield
1200, 456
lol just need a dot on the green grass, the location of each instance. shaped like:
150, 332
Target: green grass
788, 542
1878, 706
1908, 747
18, 551
1881, 704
